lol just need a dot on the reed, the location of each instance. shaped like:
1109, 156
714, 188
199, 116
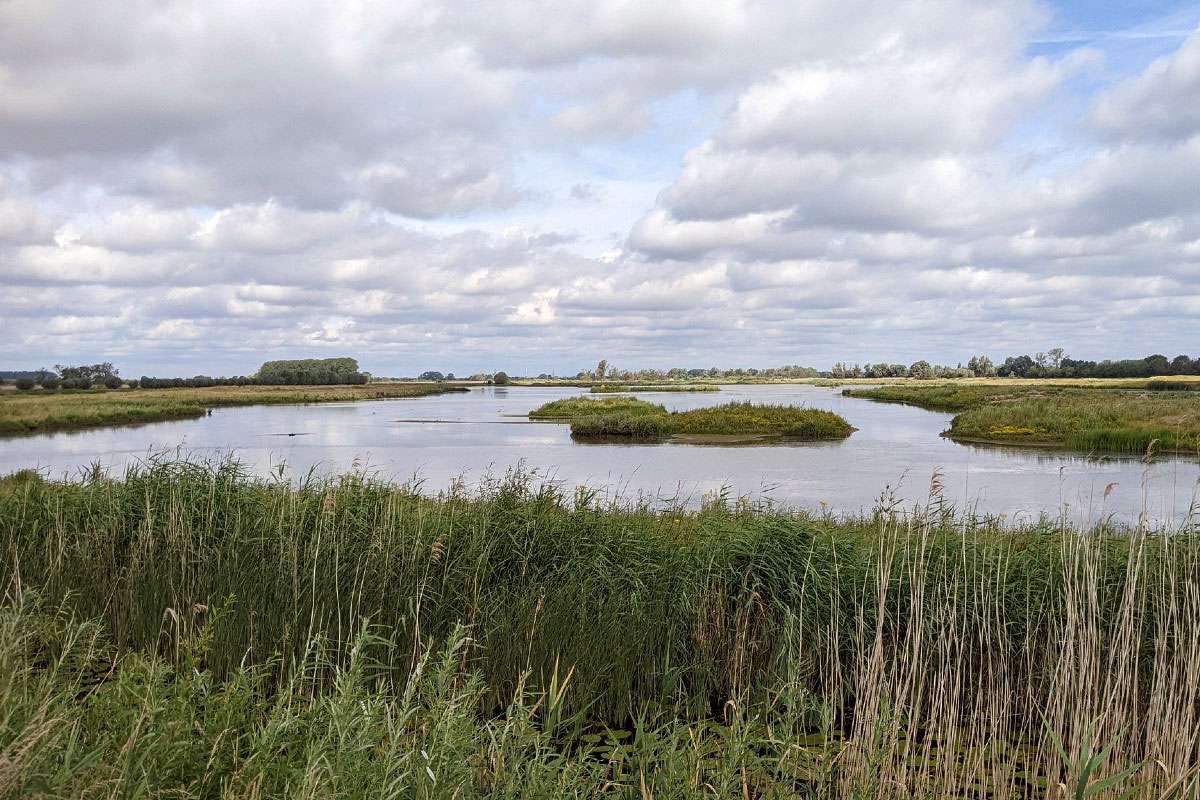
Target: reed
188, 630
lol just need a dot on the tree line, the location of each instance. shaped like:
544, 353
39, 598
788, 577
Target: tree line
1054, 363
299, 372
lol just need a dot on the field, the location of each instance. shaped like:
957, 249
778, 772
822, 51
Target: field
605, 388
41, 411
627, 417
188, 632
1132, 419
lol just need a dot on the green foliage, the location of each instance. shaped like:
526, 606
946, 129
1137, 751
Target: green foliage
24, 384
1080, 418
189, 632
90, 373
633, 418
569, 408
935, 397
311, 372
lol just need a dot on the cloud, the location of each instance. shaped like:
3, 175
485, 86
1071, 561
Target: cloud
1163, 102
227, 102
187, 187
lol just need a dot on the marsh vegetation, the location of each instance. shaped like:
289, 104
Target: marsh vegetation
1127, 420
628, 417
188, 632
43, 411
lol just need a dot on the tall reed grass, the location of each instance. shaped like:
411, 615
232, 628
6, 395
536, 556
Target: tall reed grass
352, 638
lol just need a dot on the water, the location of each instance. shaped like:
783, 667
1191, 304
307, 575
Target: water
485, 432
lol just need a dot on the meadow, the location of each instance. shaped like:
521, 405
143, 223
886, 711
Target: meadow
1159, 415
42, 411
628, 417
186, 631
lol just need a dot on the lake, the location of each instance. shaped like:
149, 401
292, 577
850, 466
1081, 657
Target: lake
484, 432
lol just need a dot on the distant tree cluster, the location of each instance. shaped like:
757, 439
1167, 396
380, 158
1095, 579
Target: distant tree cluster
195, 382
68, 377
605, 371
1056, 364
434, 375
92, 373
918, 369
311, 372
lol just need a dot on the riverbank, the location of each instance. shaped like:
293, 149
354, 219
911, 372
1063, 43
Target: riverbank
239, 638
1127, 419
41, 411
729, 423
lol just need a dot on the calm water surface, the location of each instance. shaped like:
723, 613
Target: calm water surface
438, 439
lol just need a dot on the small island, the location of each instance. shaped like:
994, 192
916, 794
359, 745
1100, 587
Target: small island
730, 423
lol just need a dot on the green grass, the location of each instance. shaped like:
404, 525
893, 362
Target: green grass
1126, 420
605, 388
632, 418
188, 632
570, 408
41, 411
934, 396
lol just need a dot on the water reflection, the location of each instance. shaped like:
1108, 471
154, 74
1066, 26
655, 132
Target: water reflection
485, 430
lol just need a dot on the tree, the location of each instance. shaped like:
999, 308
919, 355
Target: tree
1181, 365
500, 378
24, 384
981, 366
921, 369
91, 373
431, 375
1056, 355
601, 368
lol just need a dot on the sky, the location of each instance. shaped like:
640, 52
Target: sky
196, 187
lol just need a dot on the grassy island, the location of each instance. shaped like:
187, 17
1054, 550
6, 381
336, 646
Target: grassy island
605, 388
188, 632
1125, 419
43, 411
629, 417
